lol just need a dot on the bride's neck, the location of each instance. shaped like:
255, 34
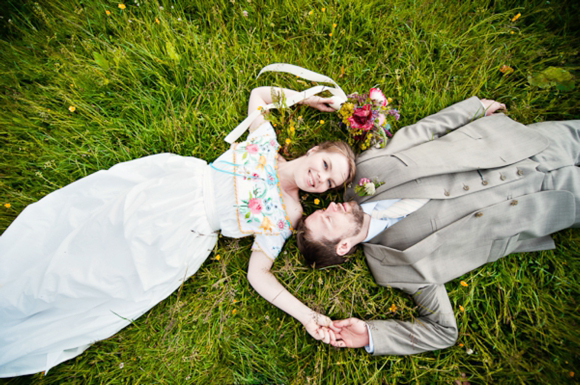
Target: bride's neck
287, 179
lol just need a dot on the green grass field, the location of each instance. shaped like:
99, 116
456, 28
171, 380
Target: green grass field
175, 77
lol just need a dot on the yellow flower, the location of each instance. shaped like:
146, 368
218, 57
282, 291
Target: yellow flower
300, 117
506, 69
288, 141
571, 374
516, 17
72, 109
311, 12
108, 12
234, 311
217, 257
292, 130
330, 34
389, 100
334, 25
235, 301
393, 308
262, 162
157, 20
7, 205
463, 283
317, 201
512, 32
322, 122
266, 224
122, 6
461, 308
274, 124
323, 9
260, 108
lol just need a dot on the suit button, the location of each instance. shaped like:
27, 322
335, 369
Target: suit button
478, 214
502, 177
484, 182
514, 202
446, 193
520, 172
466, 187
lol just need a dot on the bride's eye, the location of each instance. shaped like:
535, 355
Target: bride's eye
325, 165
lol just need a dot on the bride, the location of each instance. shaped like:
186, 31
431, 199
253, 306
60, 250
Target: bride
84, 261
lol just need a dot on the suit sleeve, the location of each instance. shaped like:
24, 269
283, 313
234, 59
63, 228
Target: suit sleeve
436, 125
434, 329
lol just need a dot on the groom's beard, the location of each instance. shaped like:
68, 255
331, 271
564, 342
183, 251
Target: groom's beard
357, 214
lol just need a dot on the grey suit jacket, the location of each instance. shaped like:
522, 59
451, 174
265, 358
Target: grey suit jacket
486, 201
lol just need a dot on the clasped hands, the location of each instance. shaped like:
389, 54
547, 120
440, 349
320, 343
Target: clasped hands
347, 333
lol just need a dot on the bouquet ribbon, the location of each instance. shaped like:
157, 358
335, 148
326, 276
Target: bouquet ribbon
338, 94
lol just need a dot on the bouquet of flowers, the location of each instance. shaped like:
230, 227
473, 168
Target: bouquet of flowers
367, 118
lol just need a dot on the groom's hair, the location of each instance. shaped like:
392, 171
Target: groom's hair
317, 253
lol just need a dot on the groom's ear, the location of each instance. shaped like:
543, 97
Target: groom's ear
343, 247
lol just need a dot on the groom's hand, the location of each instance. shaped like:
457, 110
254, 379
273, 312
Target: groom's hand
350, 333
318, 327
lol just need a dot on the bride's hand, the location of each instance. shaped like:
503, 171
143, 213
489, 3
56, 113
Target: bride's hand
318, 326
321, 104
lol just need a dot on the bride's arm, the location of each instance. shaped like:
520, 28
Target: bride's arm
262, 96
266, 284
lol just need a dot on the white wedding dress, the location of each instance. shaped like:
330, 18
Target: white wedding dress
77, 266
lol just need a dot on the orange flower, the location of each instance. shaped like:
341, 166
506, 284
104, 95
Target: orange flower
516, 17
7, 205
393, 308
122, 6
463, 283
157, 20
506, 69
262, 162
266, 224
330, 34
72, 109
108, 12
461, 345
234, 311
461, 308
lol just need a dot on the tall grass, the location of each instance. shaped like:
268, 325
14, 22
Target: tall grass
175, 77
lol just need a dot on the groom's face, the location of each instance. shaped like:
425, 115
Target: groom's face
338, 221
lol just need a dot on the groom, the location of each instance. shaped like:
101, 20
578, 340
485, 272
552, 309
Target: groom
460, 190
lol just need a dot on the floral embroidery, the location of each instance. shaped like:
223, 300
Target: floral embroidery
266, 224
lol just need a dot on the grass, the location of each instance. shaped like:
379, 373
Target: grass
176, 79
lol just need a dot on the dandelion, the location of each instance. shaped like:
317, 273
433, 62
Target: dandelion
461, 308
157, 20
317, 201
245, 13
463, 283
516, 17
217, 257
72, 109
311, 12
7, 205
292, 130
260, 108
322, 122
288, 141
108, 12
122, 6
393, 308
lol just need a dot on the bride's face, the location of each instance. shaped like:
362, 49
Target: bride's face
320, 171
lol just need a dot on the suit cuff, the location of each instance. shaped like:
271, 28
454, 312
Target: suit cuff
370, 348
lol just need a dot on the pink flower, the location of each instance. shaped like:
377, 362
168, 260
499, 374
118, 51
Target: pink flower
255, 205
281, 224
362, 118
252, 148
382, 118
376, 95
363, 181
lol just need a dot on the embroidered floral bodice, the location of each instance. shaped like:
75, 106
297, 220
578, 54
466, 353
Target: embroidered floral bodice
248, 196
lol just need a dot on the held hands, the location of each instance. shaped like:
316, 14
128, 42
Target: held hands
318, 326
350, 333
491, 106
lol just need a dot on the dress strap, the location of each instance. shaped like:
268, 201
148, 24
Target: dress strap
338, 94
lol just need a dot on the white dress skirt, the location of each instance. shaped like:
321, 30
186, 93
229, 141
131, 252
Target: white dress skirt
77, 266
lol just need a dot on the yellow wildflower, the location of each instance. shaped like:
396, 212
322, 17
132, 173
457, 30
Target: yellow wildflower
334, 25
7, 205
266, 224
300, 117
157, 20
72, 109
317, 201
274, 124
217, 257
108, 12
516, 17
461, 308
393, 308
260, 108
234, 311
288, 141
463, 283
235, 301
122, 6
311, 12
323, 9
389, 100
292, 130
512, 32
322, 122
330, 34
